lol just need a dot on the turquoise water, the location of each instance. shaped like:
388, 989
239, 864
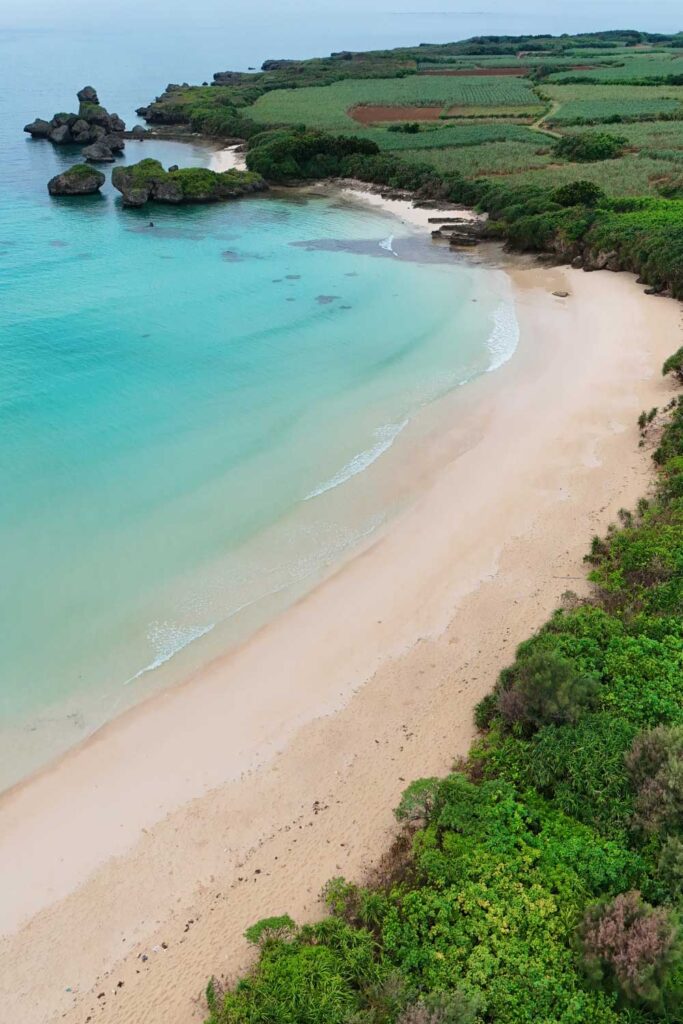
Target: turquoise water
193, 421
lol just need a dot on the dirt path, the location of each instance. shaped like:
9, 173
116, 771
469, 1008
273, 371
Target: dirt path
537, 126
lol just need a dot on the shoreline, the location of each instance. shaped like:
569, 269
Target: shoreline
455, 582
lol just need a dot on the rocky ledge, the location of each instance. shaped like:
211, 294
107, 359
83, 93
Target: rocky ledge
147, 180
93, 127
79, 180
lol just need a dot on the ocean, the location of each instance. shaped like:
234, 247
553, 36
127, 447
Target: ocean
198, 420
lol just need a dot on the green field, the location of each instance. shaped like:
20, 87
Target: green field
499, 158
327, 107
445, 134
655, 65
591, 103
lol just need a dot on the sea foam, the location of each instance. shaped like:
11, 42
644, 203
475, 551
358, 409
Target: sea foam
504, 337
168, 639
385, 435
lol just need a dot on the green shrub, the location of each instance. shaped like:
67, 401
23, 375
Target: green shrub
674, 364
589, 146
655, 764
579, 193
544, 688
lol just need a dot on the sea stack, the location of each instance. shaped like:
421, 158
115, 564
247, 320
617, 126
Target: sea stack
79, 180
93, 127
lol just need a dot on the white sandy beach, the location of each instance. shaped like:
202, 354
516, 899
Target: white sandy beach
276, 767
231, 158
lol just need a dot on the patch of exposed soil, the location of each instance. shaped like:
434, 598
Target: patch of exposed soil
376, 114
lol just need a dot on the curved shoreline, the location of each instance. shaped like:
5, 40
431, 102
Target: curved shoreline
552, 450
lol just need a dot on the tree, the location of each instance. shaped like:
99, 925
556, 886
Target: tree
545, 688
631, 945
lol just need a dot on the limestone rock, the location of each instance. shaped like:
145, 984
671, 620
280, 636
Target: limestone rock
39, 128
79, 180
61, 136
97, 153
89, 125
87, 95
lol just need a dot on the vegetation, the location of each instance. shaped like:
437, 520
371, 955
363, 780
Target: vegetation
586, 104
589, 146
542, 881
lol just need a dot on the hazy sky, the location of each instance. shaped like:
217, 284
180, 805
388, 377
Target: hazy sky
501, 15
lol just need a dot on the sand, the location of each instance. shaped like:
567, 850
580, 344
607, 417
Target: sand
193, 815
228, 159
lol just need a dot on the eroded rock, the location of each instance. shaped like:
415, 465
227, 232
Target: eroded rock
79, 180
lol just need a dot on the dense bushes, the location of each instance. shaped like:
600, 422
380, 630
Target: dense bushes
633, 946
286, 155
589, 146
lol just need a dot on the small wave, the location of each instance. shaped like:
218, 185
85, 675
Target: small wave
385, 438
504, 337
388, 245
169, 639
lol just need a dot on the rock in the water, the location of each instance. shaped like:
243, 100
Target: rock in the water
79, 180
147, 179
90, 124
59, 119
115, 142
138, 132
97, 153
61, 136
87, 95
561, 294
80, 131
39, 128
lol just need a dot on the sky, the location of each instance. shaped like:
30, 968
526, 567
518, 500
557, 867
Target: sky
502, 16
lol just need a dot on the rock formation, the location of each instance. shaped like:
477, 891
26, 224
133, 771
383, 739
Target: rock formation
79, 180
93, 127
147, 180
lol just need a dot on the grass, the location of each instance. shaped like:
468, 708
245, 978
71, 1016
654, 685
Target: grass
445, 135
490, 158
600, 103
633, 66
327, 107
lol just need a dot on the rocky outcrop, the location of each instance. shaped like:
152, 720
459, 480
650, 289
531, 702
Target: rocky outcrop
39, 128
277, 65
79, 180
92, 124
97, 153
228, 78
148, 181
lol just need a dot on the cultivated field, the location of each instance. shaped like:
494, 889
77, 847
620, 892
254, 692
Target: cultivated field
600, 103
328, 106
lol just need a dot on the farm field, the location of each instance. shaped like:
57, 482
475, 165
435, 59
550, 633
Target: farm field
461, 135
655, 65
327, 106
599, 103
489, 158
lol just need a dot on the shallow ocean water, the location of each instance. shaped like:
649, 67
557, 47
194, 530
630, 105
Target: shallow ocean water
192, 416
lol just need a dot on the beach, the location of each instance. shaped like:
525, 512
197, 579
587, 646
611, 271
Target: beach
239, 793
